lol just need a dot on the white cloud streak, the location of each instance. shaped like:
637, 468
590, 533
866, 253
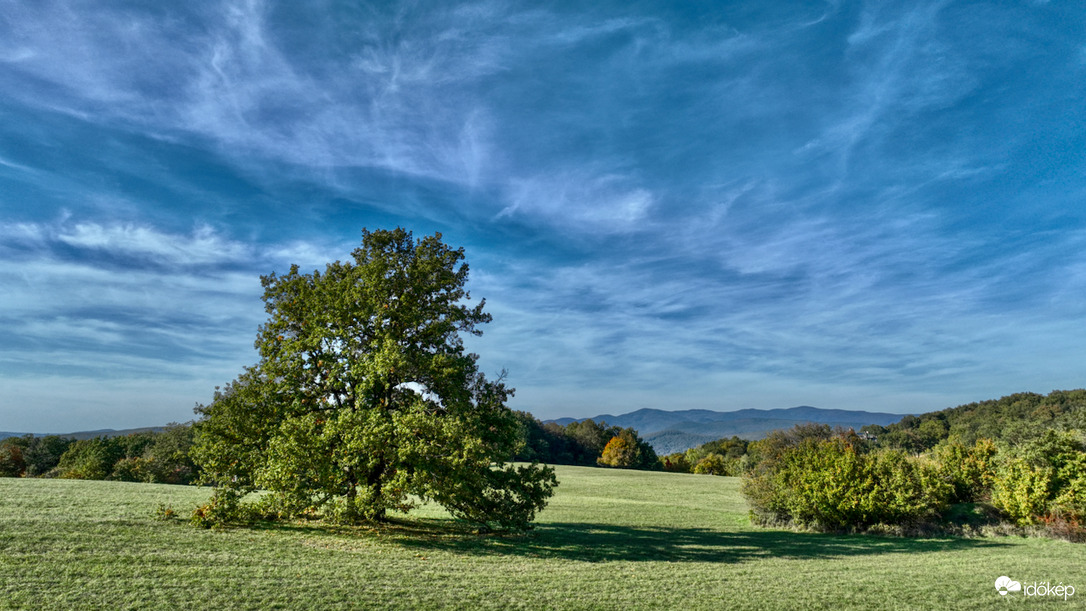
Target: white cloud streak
724, 203
202, 247
121, 304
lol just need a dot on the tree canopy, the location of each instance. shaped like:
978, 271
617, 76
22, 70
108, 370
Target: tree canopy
365, 400
1013, 419
626, 450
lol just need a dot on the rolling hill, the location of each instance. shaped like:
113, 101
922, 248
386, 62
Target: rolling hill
89, 434
675, 431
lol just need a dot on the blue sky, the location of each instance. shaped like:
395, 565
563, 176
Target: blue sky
872, 206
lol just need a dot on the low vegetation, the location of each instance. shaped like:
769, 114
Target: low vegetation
1024, 479
162, 457
814, 477
609, 538
584, 443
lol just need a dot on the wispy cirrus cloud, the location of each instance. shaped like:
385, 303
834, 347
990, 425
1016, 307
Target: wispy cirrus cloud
120, 303
766, 203
201, 247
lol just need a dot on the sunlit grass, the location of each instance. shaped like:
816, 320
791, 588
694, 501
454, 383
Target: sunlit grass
608, 538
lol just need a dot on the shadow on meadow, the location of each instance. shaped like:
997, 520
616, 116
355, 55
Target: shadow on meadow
606, 542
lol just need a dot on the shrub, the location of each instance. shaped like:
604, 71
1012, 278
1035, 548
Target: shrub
499, 499
164, 512
89, 459
224, 508
1022, 490
1044, 482
167, 460
969, 470
676, 462
713, 464
829, 484
132, 469
12, 463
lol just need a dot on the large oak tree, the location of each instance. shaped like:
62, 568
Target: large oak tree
364, 399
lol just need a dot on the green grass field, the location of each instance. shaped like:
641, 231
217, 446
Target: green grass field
608, 539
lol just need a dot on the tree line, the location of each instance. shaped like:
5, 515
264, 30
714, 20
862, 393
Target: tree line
166, 457
1019, 460
154, 457
364, 400
585, 443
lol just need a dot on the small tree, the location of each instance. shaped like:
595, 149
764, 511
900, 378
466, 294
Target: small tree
90, 458
43, 453
676, 462
969, 470
713, 464
1043, 479
167, 459
627, 450
618, 452
588, 439
364, 399
12, 463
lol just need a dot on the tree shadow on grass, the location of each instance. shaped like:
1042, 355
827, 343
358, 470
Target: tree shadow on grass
606, 542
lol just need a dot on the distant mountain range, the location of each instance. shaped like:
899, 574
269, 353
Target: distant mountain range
89, 434
666, 431
677, 431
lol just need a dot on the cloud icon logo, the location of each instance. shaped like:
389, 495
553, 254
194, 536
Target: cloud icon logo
1004, 584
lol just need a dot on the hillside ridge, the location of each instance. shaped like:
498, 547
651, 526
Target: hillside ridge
675, 431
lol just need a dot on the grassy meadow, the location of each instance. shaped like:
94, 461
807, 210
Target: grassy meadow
608, 539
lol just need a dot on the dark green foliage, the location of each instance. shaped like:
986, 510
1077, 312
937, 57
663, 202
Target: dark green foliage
589, 439
162, 457
139, 457
231, 448
776, 443
538, 443
676, 462
1023, 455
223, 509
726, 456
1044, 481
506, 498
730, 448
713, 464
835, 484
12, 461
90, 458
364, 400
970, 470
1011, 420
43, 453
167, 458
580, 443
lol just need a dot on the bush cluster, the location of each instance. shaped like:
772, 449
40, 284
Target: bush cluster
1044, 482
585, 443
816, 478
721, 457
140, 457
836, 484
